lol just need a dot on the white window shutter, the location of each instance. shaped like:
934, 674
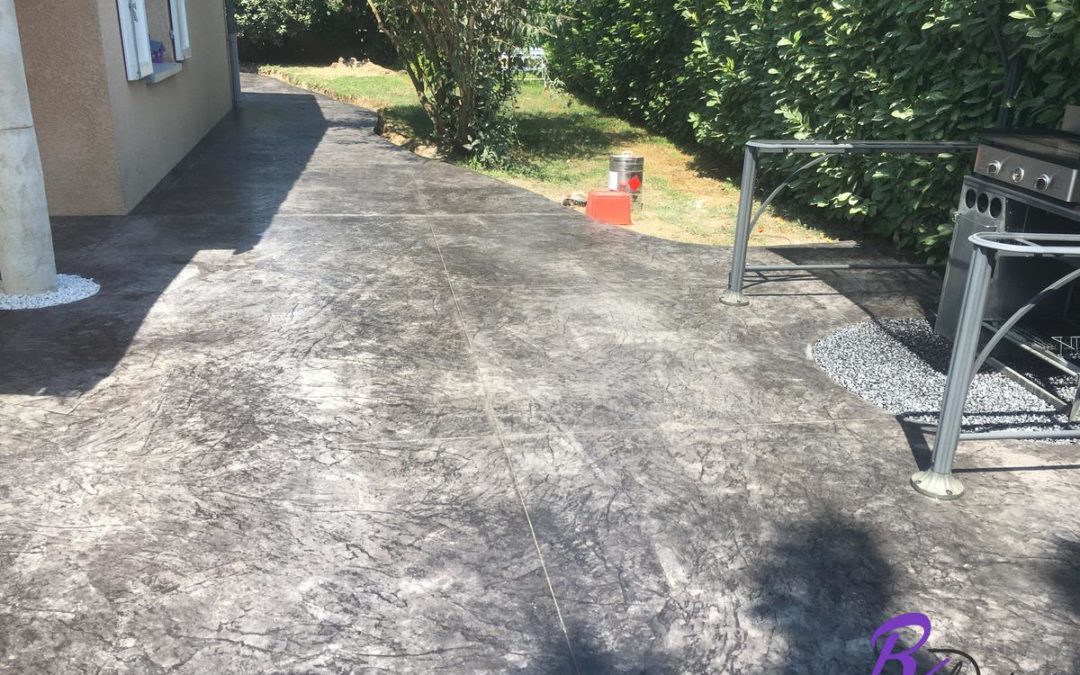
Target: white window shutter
180, 37
135, 37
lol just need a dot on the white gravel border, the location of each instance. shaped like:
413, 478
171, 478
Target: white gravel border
69, 288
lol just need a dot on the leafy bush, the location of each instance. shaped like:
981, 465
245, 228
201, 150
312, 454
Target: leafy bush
633, 66
308, 30
724, 71
273, 20
456, 54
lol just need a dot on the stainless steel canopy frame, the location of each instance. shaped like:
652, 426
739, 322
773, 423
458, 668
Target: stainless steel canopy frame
938, 481
747, 219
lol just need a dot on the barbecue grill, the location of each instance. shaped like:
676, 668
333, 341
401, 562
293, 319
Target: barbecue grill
1023, 182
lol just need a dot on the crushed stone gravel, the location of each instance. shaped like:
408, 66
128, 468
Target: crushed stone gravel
69, 288
900, 365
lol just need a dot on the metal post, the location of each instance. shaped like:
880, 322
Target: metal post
234, 51
27, 265
734, 294
939, 481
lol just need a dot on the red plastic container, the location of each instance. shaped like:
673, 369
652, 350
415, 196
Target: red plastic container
609, 206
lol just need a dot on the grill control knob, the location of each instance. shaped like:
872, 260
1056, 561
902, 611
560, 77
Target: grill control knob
993, 168
1043, 182
1018, 174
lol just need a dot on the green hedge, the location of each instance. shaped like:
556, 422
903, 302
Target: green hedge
309, 31
720, 72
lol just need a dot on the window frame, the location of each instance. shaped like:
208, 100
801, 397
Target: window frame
181, 37
135, 37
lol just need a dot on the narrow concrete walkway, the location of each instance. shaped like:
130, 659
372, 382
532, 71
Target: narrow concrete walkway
342, 409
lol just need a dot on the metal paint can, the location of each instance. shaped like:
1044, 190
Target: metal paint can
626, 173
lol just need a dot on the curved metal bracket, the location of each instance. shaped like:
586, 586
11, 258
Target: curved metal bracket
1027, 246
780, 188
1020, 314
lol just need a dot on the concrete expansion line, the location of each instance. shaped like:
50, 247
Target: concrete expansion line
497, 430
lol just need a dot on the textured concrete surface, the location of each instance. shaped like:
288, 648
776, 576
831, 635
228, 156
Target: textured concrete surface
341, 409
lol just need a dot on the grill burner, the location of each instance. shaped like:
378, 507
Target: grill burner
1043, 162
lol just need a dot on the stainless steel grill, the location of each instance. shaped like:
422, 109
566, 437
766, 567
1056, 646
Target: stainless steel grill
1044, 163
1023, 182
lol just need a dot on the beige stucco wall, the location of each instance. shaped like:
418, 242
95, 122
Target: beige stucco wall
105, 142
159, 123
65, 75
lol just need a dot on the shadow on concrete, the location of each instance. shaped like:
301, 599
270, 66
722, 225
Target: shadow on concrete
1064, 575
919, 438
572, 654
577, 653
571, 135
995, 469
223, 195
828, 587
861, 287
872, 291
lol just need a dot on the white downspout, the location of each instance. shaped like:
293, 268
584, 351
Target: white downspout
27, 264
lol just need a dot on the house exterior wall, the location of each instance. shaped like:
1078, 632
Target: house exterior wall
106, 142
160, 123
65, 75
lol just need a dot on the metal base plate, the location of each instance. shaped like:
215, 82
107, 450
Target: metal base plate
937, 485
734, 298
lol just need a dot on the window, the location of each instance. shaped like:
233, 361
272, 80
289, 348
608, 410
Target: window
144, 44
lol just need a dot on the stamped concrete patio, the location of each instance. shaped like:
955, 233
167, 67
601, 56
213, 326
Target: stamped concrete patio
341, 409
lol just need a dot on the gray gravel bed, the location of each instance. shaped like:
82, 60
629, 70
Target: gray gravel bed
900, 366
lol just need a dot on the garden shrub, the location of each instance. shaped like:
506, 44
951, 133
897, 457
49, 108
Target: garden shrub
632, 66
308, 31
723, 71
456, 53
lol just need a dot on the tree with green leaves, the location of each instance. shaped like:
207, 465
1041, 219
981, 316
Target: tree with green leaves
457, 55
273, 20
308, 31
720, 72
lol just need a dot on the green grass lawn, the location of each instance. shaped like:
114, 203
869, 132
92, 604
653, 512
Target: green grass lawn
565, 148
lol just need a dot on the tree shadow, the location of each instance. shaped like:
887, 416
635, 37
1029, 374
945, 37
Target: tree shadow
222, 195
571, 135
577, 653
408, 120
543, 137
826, 586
